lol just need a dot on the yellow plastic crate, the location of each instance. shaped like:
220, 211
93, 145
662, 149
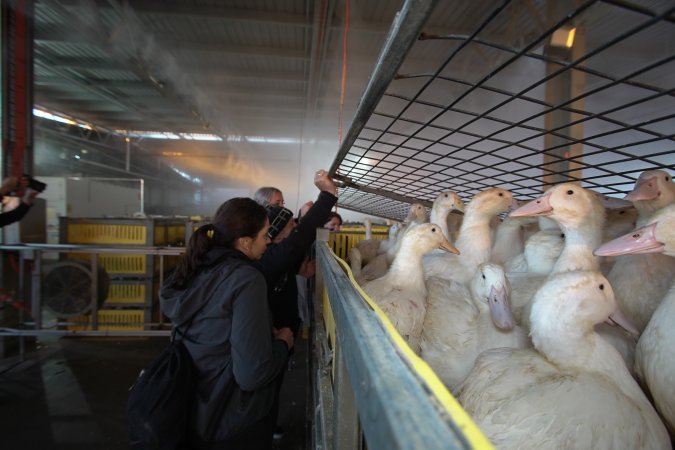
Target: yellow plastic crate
101, 233
111, 320
127, 293
348, 237
169, 234
117, 263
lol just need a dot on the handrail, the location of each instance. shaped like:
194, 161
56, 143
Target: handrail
395, 395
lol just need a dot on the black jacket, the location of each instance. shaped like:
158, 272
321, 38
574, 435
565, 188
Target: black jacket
231, 343
281, 261
14, 215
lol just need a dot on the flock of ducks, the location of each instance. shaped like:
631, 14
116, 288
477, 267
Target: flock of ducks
552, 327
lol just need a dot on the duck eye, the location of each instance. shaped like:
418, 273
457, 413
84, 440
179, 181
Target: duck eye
602, 287
570, 192
433, 230
501, 194
562, 235
483, 275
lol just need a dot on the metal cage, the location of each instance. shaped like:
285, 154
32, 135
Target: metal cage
516, 94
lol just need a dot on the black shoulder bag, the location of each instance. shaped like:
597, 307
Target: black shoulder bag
159, 403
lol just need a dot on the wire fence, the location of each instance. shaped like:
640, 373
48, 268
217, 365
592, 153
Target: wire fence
527, 98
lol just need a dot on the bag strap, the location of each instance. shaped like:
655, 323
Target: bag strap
188, 322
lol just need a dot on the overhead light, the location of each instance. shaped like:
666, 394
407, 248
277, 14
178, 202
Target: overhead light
563, 37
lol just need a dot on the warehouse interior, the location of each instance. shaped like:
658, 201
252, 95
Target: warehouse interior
159, 110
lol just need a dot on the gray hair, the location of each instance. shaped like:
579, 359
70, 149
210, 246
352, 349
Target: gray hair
264, 194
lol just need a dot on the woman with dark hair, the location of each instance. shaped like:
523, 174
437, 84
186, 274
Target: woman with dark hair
237, 353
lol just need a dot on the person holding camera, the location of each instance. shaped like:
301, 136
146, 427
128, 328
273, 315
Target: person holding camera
20, 187
238, 354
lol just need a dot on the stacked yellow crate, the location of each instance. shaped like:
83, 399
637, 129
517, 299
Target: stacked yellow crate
132, 297
351, 234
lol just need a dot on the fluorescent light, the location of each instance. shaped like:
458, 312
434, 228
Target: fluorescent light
563, 37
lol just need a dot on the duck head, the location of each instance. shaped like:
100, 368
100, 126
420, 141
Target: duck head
490, 285
658, 236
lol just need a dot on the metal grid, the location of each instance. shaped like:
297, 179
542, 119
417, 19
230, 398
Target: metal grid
521, 114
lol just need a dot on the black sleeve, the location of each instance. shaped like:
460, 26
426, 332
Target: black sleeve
282, 257
256, 359
14, 215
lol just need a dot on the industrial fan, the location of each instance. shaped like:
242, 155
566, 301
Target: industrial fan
67, 286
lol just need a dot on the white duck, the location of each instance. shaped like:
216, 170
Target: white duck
368, 247
580, 215
386, 244
401, 293
474, 241
654, 356
641, 281
376, 268
542, 249
575, 392
460, 324
445, 203
416, 214
509, 240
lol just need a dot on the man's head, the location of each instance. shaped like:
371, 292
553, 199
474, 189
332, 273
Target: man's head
334, 221
269, 196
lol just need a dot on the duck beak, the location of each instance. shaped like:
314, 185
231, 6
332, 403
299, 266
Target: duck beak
459, 206
644, 190
447, 246
538, 207
500, 308
642, 240
619, 318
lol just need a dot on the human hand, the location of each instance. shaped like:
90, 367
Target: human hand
285, 334
324, 182
9, 184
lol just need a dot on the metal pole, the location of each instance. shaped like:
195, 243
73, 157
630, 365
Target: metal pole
403, 33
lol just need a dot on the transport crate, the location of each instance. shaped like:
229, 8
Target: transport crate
349, 236
112, 320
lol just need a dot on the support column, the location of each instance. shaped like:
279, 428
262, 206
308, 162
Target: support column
17, 87
560, 89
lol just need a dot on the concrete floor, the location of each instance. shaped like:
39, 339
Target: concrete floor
70, 394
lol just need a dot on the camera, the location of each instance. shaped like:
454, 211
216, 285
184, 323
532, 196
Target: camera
34, 184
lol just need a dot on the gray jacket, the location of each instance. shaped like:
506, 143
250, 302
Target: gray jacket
231, 343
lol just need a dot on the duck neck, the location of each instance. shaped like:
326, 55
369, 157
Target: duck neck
407, 268
475, 237
369, 230
509, 235
577, 253
440, 218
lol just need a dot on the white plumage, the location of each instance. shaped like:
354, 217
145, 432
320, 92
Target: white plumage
445, 203
654, 356
575, 392
401, 293
474, 241
641, 281
460, 324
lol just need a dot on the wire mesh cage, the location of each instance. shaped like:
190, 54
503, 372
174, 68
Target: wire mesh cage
519, 94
